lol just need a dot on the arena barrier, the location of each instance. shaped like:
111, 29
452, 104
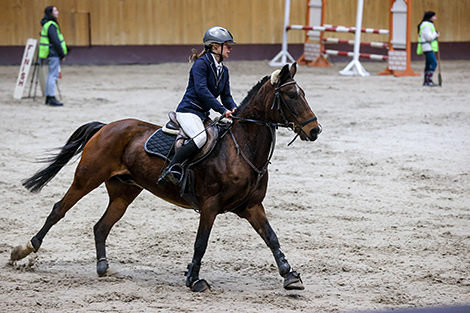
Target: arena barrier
315, 54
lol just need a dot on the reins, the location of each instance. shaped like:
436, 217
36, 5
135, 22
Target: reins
278, 100
263, 170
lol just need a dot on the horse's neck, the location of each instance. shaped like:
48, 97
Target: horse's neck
256, 138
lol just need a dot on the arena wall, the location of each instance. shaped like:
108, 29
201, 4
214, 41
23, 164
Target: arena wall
254, 23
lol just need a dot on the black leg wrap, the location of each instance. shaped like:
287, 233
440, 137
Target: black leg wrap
192, 274
36, 243
102, 266
282, 263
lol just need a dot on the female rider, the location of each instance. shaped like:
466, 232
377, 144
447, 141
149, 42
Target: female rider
208, 79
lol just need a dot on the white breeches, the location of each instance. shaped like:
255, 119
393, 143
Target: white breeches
193, 127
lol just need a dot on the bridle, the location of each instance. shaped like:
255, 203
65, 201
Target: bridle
278, 102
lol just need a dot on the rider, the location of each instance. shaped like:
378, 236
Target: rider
208, 79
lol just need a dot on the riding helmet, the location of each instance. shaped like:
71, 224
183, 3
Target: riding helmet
217, 34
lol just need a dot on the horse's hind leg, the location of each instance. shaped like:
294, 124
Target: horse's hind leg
257, 218
58, 212
90, 173
120, 196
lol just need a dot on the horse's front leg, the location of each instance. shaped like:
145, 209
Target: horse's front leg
206, 221
257, 218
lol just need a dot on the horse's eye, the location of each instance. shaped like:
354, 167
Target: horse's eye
291, 95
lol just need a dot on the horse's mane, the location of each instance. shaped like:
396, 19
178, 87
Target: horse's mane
253, 91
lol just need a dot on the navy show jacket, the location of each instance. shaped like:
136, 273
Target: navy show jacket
204, 87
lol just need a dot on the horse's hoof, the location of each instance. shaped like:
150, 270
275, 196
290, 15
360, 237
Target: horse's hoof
101, 267
21, 252
17, 253
292, 281
201, 285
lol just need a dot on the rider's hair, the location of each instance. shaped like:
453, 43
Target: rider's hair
194, 55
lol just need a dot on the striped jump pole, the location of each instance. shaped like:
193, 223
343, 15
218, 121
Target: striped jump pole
321, 61
345, 29
361, 55
362, 43
339, 29
399, 43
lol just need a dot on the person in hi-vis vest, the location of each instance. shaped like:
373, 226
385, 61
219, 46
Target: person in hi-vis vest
427, 44
52, 46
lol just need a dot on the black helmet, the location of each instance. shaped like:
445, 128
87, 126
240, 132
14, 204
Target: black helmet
217, 34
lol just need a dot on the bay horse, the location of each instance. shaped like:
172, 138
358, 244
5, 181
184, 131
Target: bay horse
233, 178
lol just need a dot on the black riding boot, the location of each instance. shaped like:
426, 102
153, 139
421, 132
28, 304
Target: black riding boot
174, 172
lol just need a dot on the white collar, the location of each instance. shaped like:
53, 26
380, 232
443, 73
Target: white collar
217, 64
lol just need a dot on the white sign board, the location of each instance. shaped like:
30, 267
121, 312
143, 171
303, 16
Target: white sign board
28, 59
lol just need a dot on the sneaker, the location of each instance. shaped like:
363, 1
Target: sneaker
430, 84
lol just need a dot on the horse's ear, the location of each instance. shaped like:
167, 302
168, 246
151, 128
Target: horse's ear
293, 69
284, 75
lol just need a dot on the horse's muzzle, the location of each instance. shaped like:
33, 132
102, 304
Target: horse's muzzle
314, 132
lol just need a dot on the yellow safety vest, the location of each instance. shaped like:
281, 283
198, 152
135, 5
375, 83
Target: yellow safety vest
44, 43
434, 44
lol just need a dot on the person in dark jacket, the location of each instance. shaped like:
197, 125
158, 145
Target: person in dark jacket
52, 46
208, 80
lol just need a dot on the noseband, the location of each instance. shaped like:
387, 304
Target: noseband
280, 102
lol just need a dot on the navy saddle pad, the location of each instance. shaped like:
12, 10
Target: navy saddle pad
160, 144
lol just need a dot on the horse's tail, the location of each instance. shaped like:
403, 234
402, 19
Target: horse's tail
74, 146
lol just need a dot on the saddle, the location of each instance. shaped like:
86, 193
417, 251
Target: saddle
167, 140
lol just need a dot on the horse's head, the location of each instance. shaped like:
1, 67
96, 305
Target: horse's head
290, 108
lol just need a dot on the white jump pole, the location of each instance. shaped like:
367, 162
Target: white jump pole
281, 58
355, 67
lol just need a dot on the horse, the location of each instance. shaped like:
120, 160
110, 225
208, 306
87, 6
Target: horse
232, 178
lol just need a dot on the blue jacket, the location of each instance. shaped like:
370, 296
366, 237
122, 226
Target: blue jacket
204, 87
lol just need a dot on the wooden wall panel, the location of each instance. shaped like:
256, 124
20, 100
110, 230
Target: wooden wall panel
155, 22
